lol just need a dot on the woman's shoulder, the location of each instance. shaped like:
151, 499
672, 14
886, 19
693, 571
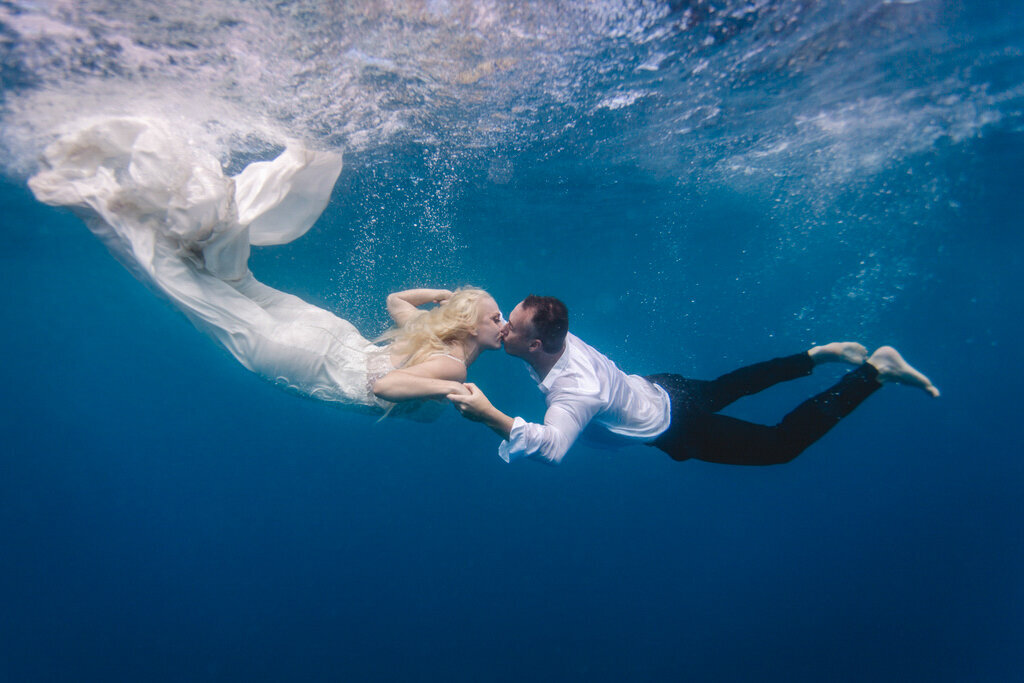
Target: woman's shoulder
442, 366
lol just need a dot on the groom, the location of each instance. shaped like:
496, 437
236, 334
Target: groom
588, 395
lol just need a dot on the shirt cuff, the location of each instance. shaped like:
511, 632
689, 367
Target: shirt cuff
513, 448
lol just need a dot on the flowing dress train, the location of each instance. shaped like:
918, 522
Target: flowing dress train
167, 211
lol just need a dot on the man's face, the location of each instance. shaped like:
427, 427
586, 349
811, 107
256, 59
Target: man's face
519, 332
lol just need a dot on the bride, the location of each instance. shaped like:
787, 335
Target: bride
166, 210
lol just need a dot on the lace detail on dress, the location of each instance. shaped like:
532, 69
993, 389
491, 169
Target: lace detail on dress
424, 410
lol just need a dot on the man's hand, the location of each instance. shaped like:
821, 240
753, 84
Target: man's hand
476, 406
473, 405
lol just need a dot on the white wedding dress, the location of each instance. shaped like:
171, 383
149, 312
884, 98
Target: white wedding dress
172, 217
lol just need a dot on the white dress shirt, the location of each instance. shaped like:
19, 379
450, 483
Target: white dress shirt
586, 388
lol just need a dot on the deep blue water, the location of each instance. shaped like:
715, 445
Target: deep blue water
167, 516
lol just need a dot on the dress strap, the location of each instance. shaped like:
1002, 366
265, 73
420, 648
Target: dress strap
448, 355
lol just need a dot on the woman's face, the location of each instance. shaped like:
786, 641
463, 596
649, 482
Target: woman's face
489, 325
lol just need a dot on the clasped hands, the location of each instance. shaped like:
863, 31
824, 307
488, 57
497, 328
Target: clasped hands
472, 404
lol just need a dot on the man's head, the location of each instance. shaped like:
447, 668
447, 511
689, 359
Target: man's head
536, 326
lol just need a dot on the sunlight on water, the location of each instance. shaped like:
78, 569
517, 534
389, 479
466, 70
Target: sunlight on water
806, 110
464, 75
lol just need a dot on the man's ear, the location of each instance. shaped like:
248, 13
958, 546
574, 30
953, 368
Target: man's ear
534, 345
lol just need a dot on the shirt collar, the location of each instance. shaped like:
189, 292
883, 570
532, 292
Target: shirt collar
556, 370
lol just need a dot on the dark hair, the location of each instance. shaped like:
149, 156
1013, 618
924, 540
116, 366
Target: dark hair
550, 321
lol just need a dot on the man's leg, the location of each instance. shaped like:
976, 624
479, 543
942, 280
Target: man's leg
709, 396
719, 393
695, 433
727, 440
693, 429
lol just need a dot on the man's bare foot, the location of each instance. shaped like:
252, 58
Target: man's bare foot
892, 368
839, 352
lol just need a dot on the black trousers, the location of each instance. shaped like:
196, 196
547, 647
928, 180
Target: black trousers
697, 431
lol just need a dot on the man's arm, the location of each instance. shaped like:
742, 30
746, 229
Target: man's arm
563, 422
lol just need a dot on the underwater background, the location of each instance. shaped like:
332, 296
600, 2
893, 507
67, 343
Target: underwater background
705, 183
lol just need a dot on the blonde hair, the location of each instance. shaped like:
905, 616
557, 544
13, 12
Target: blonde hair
433, 331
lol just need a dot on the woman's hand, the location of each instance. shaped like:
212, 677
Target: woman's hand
459, 389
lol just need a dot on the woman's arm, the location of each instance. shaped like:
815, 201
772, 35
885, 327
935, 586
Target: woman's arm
435, 378
404, 305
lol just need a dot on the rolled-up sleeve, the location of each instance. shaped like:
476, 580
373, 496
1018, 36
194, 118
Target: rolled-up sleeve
549, 442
